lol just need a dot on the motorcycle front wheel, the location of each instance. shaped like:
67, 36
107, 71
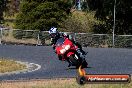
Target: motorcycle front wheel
75, 60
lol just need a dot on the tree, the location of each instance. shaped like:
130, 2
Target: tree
42, 14
104, 11
12, 7
80, 22
2, 8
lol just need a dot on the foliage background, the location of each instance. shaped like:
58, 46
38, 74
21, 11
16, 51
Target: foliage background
105, 11
41, 14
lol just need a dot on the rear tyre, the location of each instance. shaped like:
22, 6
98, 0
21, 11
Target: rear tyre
81, 80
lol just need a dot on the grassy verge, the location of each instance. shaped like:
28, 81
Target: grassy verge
23, 41
10, 65
59, 83
9, 38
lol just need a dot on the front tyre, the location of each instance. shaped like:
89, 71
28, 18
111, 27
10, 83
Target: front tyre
74, 59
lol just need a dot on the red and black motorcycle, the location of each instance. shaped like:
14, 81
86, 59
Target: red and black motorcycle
68, 52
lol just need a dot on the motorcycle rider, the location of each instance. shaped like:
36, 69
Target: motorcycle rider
55, 35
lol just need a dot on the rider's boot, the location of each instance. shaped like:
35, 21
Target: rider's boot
82, 54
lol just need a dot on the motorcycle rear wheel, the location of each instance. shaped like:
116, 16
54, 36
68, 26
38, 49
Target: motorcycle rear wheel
81, 80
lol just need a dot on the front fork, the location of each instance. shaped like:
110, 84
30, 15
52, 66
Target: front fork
71, 63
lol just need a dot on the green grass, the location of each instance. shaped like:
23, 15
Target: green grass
10, 65
59, 83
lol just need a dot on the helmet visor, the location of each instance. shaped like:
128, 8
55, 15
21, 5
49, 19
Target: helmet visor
53, 35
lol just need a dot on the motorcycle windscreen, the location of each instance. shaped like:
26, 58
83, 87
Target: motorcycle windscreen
60, 41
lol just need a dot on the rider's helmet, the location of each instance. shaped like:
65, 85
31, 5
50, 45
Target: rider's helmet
53, 32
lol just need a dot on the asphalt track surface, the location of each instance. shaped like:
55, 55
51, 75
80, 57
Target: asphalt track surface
101, 61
